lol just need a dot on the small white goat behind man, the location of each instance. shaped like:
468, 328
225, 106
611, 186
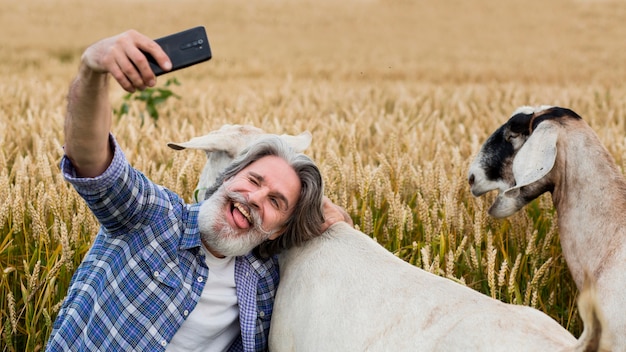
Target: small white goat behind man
223, 145
344, 292
551, 149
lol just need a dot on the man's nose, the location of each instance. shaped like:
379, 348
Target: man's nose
257, 196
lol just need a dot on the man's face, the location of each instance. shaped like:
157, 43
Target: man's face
250, 208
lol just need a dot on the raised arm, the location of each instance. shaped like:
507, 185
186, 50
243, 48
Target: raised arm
88, 118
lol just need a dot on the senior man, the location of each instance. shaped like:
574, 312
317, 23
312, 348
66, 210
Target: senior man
162, 274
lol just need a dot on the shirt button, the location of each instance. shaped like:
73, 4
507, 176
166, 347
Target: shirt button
163, 343
200, 279
261, 314
186, 312
156, 274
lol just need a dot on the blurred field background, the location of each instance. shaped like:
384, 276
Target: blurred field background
399, 96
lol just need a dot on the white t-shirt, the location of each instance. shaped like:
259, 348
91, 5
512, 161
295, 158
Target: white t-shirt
214, 323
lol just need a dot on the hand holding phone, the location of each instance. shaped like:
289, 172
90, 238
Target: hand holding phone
184, 49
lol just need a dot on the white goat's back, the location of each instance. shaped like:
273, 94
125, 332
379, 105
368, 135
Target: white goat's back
344, 292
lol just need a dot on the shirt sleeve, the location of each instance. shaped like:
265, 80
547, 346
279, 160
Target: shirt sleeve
94, 185
122, 198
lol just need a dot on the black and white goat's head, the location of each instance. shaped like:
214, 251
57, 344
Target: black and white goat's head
518, 157
222, 146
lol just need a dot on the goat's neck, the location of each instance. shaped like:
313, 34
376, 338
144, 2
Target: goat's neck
217, 161
590, 198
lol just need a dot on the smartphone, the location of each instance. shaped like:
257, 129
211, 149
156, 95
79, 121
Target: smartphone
184, 49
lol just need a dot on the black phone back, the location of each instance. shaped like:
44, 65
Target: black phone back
184, 49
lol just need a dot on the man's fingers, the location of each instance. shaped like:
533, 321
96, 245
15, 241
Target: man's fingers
136, 68
346, 216
153, 49
122, 80
334, 213
337, 213
132, 61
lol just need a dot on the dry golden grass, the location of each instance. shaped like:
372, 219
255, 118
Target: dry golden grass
399, 95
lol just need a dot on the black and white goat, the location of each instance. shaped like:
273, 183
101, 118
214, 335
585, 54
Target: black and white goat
342, 291
551, 149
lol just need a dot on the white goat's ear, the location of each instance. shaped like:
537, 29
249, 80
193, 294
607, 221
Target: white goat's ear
535, 159
202, 142
232, 139
300, 142
229, 138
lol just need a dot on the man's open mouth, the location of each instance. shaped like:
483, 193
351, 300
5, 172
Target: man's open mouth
243, 210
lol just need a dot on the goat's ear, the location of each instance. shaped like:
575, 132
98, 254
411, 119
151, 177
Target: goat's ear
229, 138
212, 143
300, 142
536, 157
194, 143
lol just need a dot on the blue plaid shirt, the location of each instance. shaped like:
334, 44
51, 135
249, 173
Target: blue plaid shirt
145, 271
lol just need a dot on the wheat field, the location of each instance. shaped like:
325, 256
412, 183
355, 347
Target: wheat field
399, 96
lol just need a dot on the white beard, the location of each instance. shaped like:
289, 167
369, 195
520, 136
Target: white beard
217, 233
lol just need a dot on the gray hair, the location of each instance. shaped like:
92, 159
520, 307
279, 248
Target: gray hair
307, 217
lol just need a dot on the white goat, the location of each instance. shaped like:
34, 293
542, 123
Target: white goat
344, 292
551, 149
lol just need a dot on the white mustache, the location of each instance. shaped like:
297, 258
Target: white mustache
255, 218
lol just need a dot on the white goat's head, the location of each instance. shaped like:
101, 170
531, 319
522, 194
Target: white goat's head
517, 157
224, 145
